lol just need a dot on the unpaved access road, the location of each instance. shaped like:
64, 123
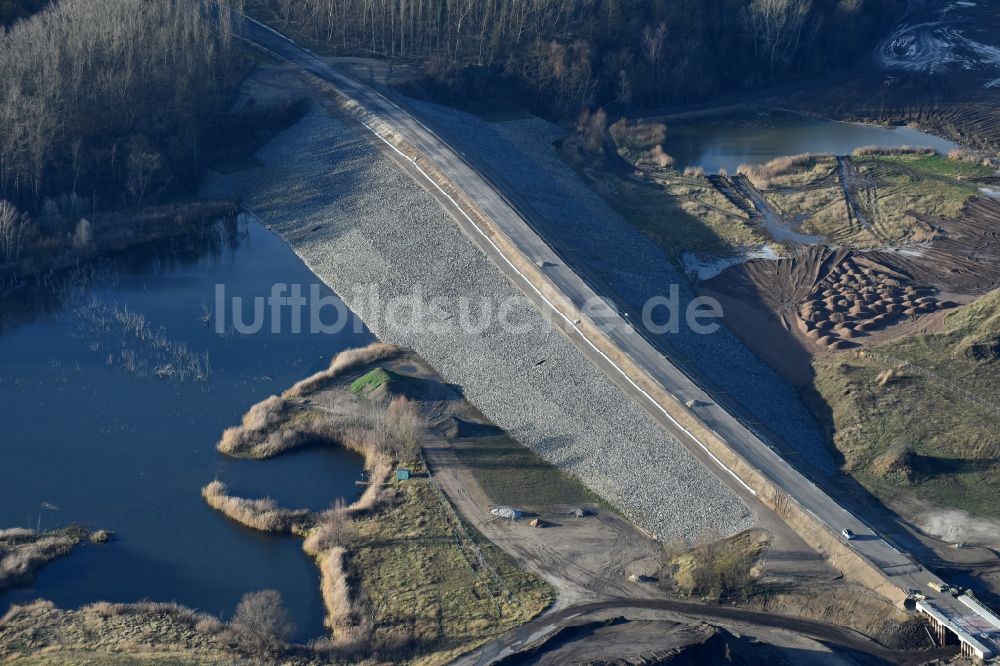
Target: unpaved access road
620, 337
536, 631
584, 559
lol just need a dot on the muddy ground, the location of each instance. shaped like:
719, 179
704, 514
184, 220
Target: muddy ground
858, 298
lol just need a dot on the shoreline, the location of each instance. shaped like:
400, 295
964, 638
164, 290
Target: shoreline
160, 224
340, 238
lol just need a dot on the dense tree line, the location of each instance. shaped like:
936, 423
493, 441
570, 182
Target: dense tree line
565, 54
104, 103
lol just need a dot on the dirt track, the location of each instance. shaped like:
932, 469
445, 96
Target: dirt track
762, 298
536, 631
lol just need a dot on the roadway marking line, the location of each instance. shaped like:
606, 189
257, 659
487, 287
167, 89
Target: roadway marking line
516, 270
557, 311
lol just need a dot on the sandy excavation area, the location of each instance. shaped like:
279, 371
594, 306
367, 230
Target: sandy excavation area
822, 300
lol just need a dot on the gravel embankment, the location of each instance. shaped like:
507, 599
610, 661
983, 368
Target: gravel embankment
358, 221
572, 215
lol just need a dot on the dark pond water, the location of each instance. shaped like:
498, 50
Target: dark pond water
107, 423
753, 138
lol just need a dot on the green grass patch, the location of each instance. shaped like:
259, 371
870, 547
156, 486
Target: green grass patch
939, 165
423, 587
900, 431
373, 379
513, 474
905, 185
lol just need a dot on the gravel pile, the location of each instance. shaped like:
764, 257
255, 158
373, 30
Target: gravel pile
361, 223
571, 215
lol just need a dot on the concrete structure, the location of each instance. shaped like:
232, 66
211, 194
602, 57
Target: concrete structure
978, 630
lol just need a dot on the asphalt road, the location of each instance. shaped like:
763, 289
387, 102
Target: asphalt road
900, 568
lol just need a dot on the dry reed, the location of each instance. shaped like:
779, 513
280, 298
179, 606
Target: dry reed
345, 361
262, 514
23, 551
865, 151
764, 175
335, 588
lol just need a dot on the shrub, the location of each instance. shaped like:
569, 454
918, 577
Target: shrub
265, 414
591, 128
261, 620
83, 237
638, 135
333, 529
720, 568
660, 158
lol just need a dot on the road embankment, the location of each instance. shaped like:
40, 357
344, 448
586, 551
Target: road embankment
587, 335
363, 225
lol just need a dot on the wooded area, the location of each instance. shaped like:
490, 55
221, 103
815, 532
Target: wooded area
566, 54
104, 103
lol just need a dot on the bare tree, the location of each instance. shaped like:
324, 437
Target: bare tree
83, 237
405, 426
652, 47
624, 90
75, 79
144, 164
13, 225
261, 620
776, 27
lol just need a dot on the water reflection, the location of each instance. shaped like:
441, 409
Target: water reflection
753, 138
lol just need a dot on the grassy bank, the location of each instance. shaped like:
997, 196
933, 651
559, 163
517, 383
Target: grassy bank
874, 198
901, 431
414, 563
24, 551
139, 634
402, 578
678, 211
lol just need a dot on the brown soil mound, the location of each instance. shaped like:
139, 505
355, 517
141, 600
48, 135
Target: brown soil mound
898, 463
764, 299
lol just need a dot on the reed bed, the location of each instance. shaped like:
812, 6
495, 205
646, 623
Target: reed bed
871, 151
345, 361
765, 175
261, 514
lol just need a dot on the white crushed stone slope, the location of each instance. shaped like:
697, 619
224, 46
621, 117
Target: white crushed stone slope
376, 226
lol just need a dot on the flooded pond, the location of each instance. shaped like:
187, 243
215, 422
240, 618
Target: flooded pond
113, 396
753, 138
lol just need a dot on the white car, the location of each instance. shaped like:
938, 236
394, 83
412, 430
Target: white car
847, 533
